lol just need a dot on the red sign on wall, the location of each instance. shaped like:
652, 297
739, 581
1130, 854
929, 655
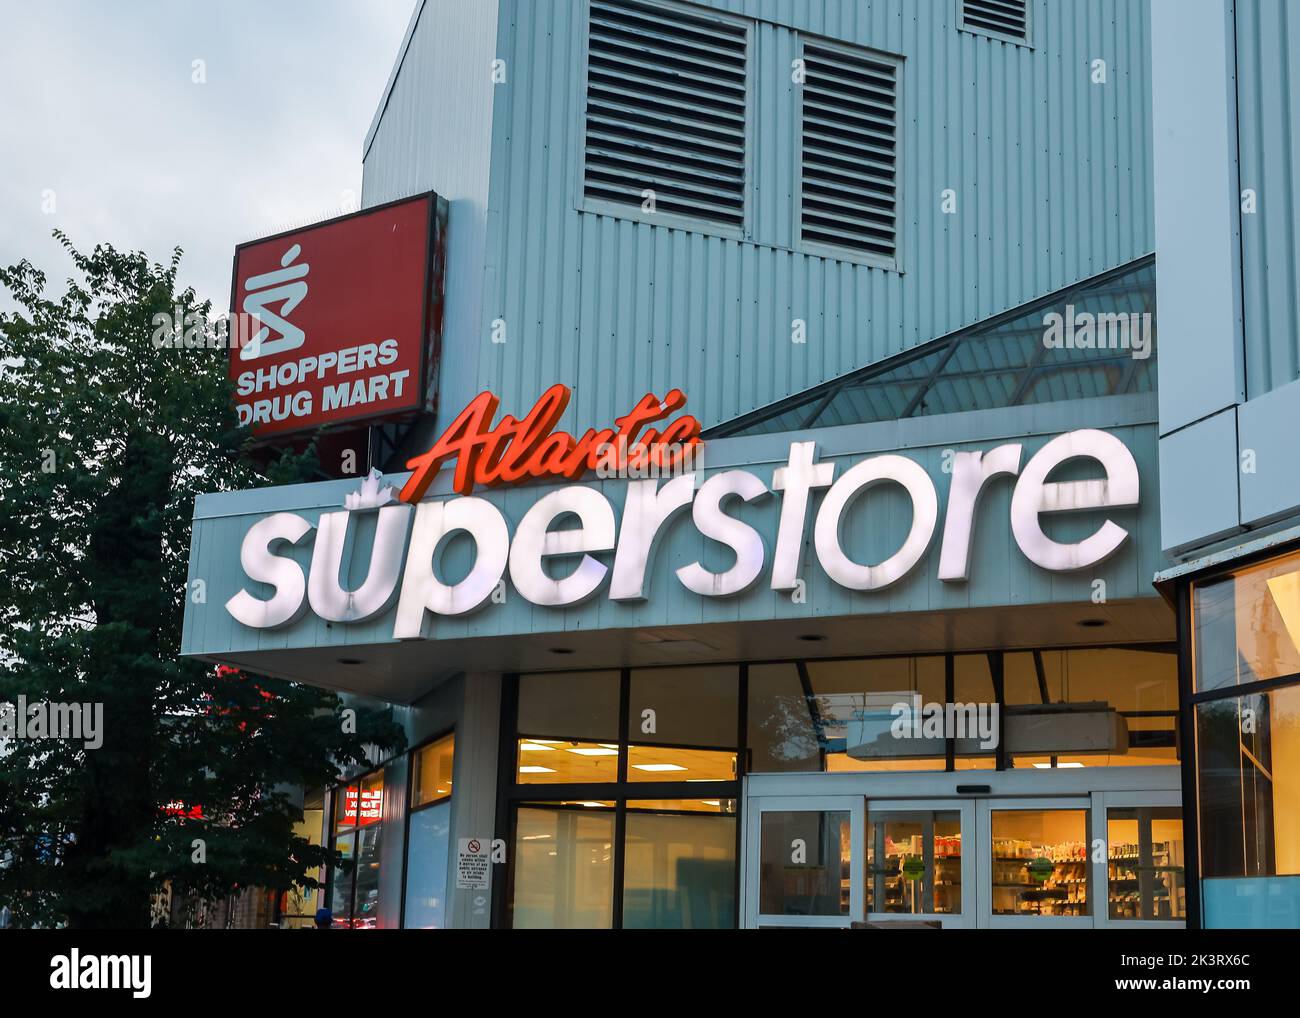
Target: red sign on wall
340, 321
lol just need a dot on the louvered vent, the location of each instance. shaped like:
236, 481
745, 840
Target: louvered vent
850, 182
666, 110
1003, 17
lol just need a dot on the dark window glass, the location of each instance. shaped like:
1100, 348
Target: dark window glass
679, 871
804, 863
682, 724
568, 727
1248, 784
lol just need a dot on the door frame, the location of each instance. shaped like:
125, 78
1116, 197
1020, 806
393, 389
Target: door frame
855, 806
1099, 788
967, 918
984, 809
1101, 801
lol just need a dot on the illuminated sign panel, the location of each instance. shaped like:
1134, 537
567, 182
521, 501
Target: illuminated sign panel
552, 563
339, 321
515, 449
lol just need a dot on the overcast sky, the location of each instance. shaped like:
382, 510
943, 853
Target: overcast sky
103, 120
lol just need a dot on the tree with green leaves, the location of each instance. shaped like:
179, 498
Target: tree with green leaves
106, 437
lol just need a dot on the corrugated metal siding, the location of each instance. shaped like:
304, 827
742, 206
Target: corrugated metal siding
1052, 172
435, 135
1268, 94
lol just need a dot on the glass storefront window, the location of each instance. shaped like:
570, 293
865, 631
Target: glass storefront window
563, 876
1102, 707
679, 869
684, 706
804, 863
1246, 626
365, 914
358, 832
428, 835
914, 862
1144, 866
432, 775
1246, 631
1040, 862
671, 763
426, 867
297, 906
340, 886
568, 728
836, 715
1248, 784
682, 723
669, 785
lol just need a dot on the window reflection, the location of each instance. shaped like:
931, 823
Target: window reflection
1248, 784
1247, 625
804, 863
1099, 707
433, 772
679, 868
1066, 708
564, 868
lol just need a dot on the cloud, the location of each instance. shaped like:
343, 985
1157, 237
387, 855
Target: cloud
106, 123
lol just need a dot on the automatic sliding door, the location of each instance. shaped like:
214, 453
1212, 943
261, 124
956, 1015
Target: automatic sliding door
916, 867
805, 864
1035, 862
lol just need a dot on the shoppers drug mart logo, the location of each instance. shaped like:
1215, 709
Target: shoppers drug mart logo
409, 534
286, 286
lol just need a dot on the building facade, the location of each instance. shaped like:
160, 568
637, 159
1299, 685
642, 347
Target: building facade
1229, 408
891, 645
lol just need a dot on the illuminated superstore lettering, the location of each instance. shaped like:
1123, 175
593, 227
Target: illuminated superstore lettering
409, 575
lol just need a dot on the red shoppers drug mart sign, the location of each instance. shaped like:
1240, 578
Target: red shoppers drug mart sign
340, 321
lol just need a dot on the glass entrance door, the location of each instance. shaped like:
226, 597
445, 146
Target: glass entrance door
1096, 859
1036, 862
916, 868
804, 861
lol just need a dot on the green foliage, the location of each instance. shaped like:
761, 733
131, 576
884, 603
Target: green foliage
105, 440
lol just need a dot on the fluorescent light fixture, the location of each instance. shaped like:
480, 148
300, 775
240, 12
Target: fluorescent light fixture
532, 747
536, 770
712, 802
658, 767
593, 751
1060, 766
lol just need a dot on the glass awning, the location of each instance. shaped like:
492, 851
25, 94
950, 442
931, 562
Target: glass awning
1084, 341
